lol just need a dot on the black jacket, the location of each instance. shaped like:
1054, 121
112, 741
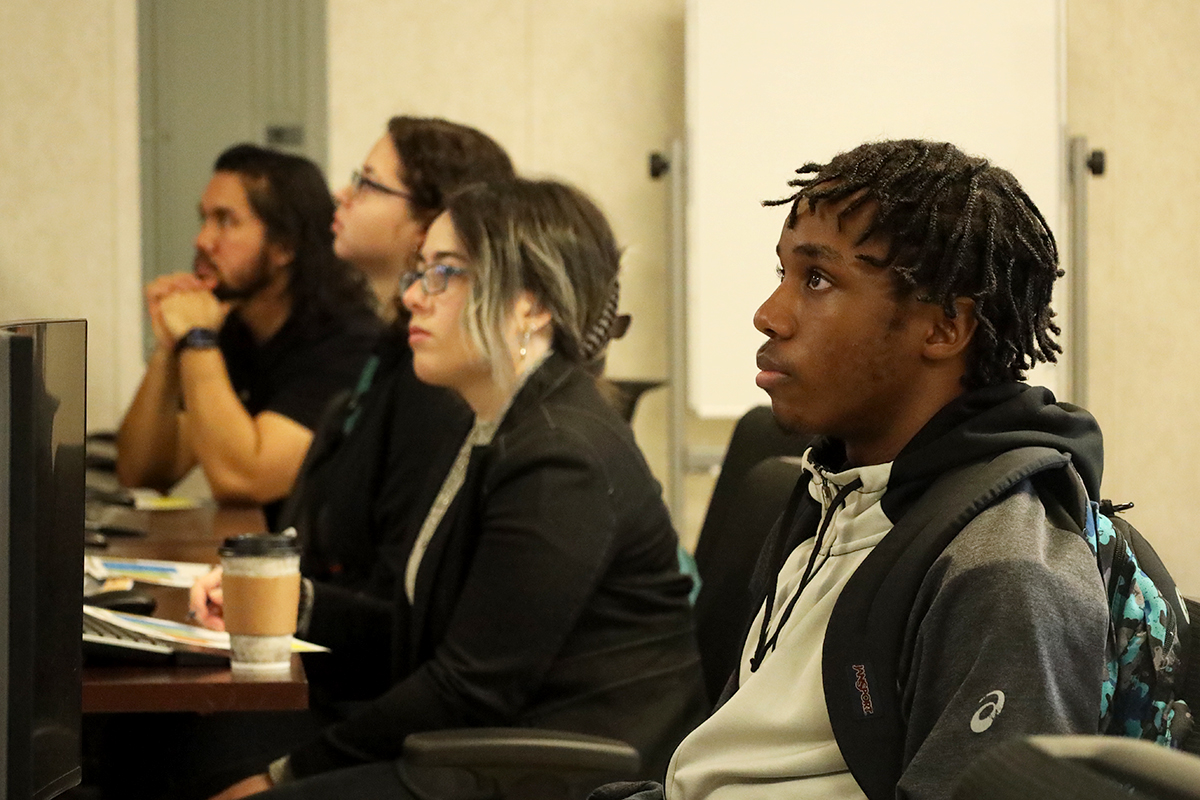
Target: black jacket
549, 596
375, 463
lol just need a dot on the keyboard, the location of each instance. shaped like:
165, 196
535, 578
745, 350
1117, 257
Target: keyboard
105, 642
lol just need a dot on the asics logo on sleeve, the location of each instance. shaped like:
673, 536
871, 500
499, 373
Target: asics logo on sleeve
993, 704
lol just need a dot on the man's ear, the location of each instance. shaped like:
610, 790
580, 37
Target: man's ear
278, 255
949, 336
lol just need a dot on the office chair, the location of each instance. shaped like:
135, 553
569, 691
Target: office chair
730, 553
100, 451
755, 437
627, 394
1081, 768
524, 763
757, 477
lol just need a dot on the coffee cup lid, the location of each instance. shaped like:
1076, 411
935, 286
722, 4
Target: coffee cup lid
259, 544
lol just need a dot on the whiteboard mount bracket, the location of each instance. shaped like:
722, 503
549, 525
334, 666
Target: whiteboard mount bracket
659, 165
1082, 163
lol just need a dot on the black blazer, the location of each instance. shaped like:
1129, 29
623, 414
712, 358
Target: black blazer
549, 596
374, 466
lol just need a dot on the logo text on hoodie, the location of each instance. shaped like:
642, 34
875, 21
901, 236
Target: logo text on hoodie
862, 685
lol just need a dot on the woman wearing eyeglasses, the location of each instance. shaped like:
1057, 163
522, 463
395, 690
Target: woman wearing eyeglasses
384, 211
375, 456
542, 587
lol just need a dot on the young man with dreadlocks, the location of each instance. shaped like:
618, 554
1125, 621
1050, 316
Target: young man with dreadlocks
914, 293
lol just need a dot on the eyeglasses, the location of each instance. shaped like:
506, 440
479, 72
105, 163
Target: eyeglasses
433, 280
358, 181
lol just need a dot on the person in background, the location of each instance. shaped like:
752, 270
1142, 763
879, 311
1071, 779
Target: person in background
251, 345
382, 444
542, 587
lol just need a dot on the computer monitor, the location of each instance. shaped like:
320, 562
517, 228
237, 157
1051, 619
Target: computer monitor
42, 424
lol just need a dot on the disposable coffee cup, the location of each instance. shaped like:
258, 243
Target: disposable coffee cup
261, 585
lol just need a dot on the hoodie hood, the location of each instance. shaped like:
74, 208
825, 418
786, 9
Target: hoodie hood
980, 425
985, 422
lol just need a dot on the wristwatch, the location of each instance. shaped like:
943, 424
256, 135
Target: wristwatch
198, 339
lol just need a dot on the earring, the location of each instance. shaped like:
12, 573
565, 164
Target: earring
525, 334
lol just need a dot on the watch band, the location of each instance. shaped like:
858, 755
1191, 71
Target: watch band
197, 339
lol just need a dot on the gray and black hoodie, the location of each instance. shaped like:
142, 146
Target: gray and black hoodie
1011, 635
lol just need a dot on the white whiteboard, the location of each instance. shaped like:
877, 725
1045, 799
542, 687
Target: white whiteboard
772, 84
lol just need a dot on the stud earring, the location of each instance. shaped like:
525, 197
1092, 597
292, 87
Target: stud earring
525, 334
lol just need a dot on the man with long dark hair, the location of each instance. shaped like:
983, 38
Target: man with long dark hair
254, 341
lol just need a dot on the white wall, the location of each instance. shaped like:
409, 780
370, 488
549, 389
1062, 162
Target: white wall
583, 90
1133, 74
69, 227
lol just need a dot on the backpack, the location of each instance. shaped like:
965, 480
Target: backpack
1147, 634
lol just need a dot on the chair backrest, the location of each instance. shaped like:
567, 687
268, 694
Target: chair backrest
625, 395
1081, 768
757, 476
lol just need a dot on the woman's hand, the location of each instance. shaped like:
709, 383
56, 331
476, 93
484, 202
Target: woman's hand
246, 787
206, 604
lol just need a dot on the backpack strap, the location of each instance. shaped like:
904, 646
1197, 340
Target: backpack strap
1151, 564
867, 627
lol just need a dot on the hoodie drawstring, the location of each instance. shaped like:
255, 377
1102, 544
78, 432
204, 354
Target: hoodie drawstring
766, 645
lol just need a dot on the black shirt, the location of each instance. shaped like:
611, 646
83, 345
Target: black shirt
298, 370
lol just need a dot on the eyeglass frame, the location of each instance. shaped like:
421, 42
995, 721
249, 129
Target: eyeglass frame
358, 181
444, 272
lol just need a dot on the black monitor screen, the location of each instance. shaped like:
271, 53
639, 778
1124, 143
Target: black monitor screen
43, 421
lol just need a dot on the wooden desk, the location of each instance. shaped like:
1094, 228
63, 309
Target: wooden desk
191, 535
202, 689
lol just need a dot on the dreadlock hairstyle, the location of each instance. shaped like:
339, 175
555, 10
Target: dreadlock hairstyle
956, 226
